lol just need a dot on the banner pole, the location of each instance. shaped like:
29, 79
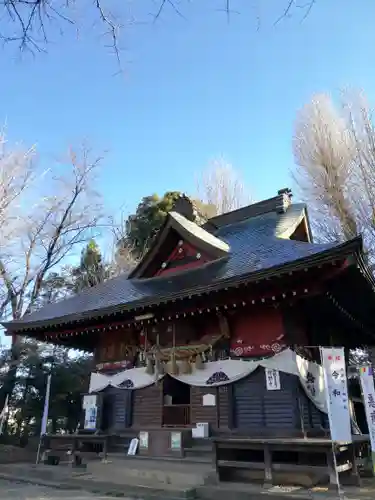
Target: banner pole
43, 428
334, 459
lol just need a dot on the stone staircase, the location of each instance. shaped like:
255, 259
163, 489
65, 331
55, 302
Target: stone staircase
151, 473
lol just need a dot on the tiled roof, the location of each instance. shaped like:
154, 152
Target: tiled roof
257, 244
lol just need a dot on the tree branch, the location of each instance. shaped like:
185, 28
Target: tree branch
27, 22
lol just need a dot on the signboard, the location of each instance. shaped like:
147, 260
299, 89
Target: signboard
336, 389
209, 400
272, 379
133, 447
368, 391
114, 365
91, 411
91, 416
143, 440
89, 400
176, 440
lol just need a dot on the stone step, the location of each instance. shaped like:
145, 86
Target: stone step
200, 449
203, 456
177, 473
103, 487
203, 449
201, 442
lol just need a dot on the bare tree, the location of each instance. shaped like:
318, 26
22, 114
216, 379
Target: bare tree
123, 257
334, 149
221, 186
28, 23
45, 217
40, 229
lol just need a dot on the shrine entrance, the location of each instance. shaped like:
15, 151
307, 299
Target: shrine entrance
176, 403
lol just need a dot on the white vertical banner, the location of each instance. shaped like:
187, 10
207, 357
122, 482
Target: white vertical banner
335, 381
368, 391
43, 429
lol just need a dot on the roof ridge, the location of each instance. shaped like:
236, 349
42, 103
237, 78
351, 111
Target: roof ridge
278, 204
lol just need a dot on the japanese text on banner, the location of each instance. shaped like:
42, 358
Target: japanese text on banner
333, 361
368, 391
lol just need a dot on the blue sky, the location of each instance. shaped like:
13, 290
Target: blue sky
193, 90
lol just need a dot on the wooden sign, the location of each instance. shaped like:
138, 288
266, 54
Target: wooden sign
209, 400
114, 365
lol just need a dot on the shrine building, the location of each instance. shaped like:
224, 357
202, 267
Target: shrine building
216, 331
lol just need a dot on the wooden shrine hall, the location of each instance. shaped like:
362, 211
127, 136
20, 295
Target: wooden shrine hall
214, 335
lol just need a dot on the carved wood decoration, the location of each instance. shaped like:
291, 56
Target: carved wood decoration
185, 339
117, 350
224, 326
184, 256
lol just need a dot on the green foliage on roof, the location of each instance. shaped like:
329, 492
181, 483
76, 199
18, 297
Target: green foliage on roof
143, 225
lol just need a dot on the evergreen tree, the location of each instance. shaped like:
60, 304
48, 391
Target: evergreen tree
150, 215
91, 270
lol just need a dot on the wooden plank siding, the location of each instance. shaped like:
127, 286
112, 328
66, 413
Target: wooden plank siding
225, 401
313, 419
147, 406
244, 405
200, 413
217, 416
255, 408
118, 409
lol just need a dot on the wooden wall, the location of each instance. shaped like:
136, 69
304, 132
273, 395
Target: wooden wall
225, 402
255, 409
313, 419
147, 406
116, 345
295, 325
200, 413
217, 416
117, 407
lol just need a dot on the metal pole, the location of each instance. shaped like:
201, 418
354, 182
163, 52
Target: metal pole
45, 415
